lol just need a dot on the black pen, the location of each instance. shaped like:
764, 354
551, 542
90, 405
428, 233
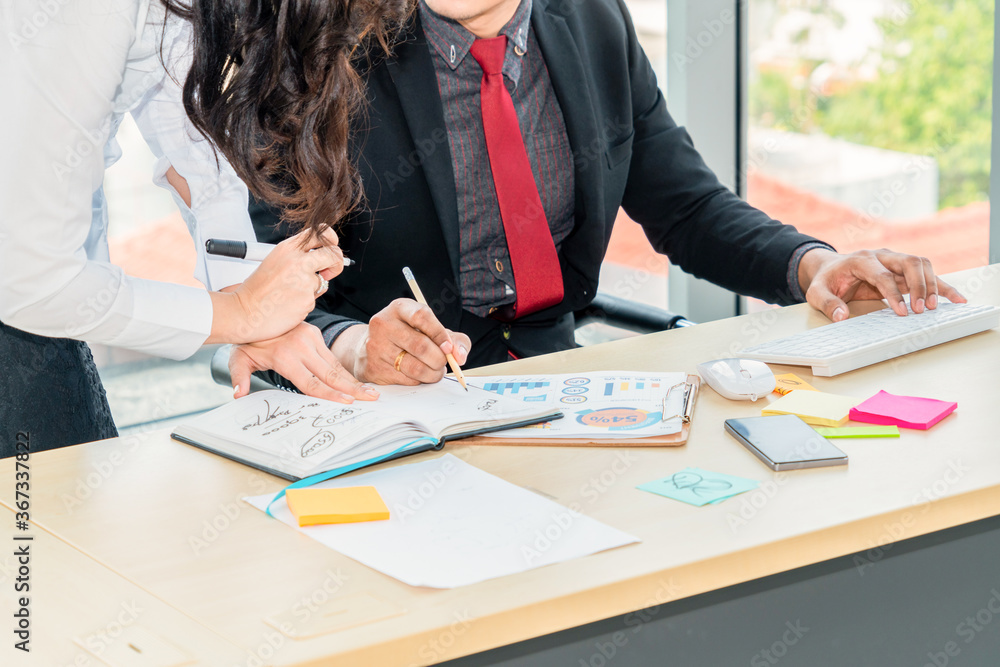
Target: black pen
251, 250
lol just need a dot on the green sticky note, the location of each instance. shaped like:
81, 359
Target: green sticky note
860, 432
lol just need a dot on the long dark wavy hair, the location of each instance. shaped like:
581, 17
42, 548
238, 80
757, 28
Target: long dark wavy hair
275, 85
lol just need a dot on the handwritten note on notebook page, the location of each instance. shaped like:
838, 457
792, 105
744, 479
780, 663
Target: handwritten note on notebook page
299, 435
604, 405
452, 524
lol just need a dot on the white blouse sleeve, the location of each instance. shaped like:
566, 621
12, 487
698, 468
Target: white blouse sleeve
218, 197
61, 73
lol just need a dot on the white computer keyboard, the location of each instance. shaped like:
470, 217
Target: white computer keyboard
868, 339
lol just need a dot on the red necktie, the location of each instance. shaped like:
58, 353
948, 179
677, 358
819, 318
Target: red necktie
537, 276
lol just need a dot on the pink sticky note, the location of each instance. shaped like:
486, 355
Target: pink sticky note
906, 411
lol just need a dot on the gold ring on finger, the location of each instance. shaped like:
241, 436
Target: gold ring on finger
399, 360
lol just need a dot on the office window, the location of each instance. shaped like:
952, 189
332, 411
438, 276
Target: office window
870, 123
632, 269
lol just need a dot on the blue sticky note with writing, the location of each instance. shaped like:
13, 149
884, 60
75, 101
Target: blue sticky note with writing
699, 487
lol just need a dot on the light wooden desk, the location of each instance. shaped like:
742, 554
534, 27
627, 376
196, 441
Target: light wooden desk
168, 518
81, 613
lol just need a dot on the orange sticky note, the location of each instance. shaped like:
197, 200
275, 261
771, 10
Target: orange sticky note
789, 382
347, 505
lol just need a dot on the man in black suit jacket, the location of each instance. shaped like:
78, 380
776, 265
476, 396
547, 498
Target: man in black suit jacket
594, 93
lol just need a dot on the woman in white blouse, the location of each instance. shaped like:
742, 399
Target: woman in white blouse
70, 70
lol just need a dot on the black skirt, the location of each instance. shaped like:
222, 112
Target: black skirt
50, 394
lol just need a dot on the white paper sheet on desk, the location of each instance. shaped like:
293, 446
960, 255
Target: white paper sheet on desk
452, 524
604, 405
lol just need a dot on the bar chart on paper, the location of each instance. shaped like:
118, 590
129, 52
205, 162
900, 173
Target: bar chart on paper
637, 389
514, 387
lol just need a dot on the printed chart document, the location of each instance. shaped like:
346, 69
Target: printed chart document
603, 405
452, 524
295, 436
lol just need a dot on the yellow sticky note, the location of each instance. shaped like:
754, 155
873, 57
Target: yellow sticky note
349, 505
813, 407
790, 382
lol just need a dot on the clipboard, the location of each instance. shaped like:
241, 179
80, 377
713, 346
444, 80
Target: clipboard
691, 387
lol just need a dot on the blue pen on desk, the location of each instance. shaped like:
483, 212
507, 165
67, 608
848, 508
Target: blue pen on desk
253, 251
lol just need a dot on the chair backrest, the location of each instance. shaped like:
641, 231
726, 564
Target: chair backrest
632, 315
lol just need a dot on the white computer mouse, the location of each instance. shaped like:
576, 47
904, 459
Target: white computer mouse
738, 379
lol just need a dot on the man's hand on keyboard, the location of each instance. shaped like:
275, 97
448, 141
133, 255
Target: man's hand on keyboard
830, 280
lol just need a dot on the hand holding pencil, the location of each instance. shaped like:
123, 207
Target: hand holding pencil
404, 343
419, 296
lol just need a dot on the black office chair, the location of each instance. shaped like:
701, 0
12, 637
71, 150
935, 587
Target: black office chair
605, 309
631, 315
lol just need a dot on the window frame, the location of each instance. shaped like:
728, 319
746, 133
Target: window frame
707, 93
994, 256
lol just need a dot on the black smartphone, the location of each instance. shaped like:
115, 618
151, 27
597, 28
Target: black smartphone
785, 442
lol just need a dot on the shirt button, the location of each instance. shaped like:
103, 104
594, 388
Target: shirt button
493, 310
518, 50
499, 266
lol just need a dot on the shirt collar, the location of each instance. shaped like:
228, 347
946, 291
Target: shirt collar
452, 42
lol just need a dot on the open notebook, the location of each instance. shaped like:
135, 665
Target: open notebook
295, 436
